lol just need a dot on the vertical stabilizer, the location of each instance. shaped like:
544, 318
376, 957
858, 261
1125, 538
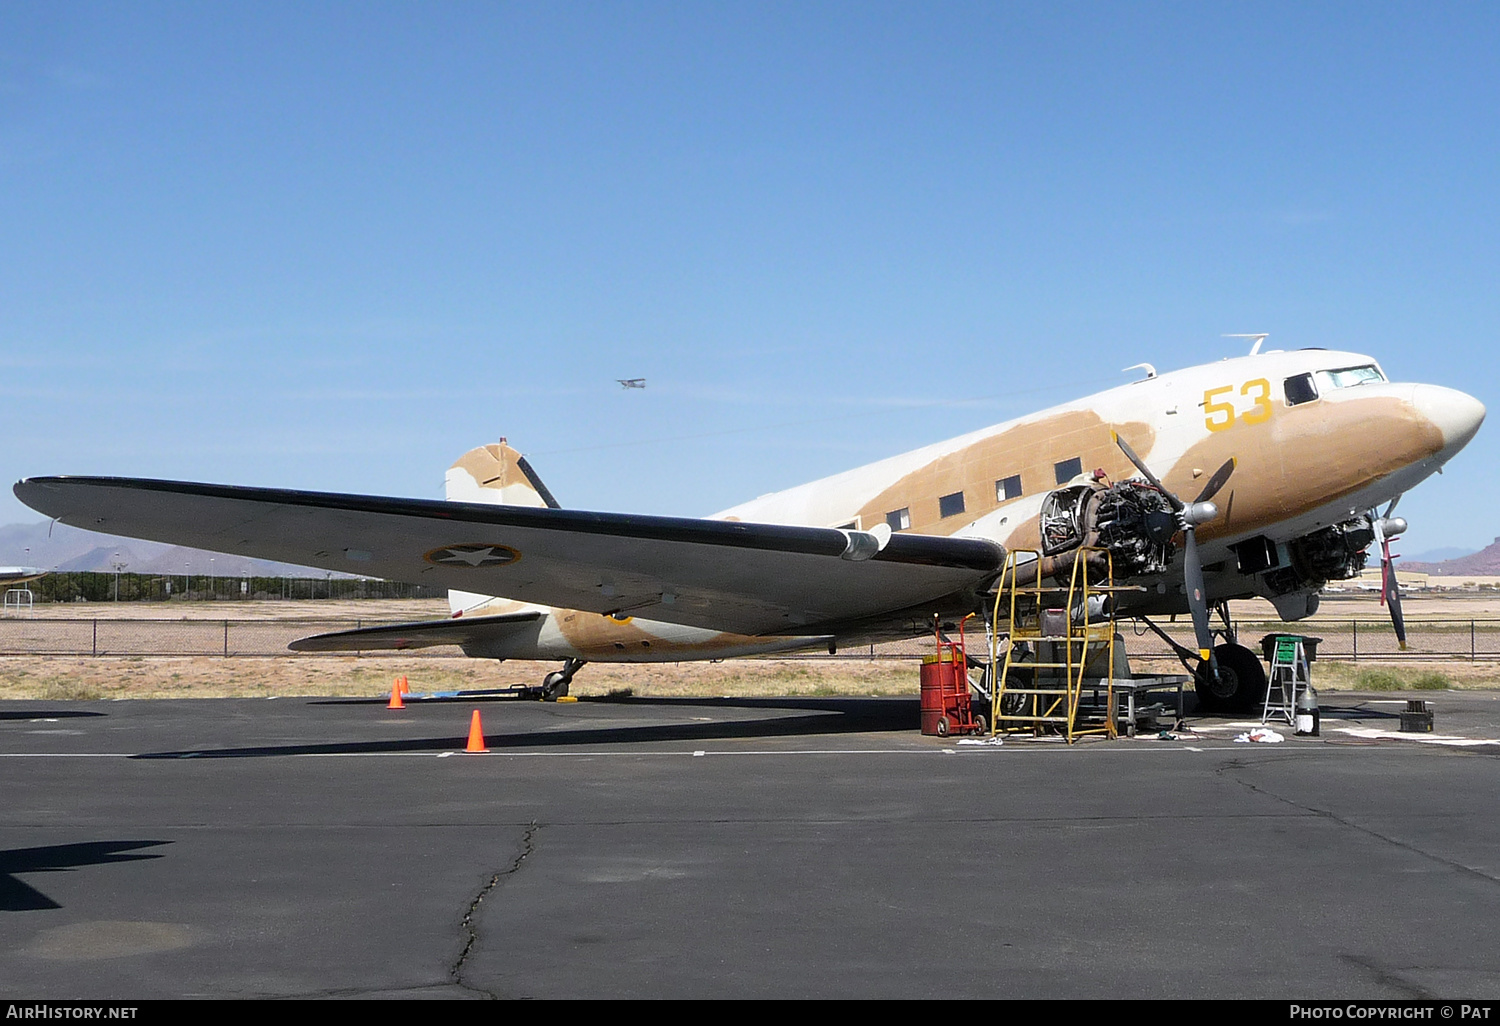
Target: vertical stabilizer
499, 475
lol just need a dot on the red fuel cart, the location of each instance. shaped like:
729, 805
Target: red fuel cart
946, 705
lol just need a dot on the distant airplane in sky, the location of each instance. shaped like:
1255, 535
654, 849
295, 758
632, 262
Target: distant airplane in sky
632, 382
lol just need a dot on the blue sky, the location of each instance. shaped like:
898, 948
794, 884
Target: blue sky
334, 245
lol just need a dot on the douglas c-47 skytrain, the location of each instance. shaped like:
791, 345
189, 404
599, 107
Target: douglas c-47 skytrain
1261, 475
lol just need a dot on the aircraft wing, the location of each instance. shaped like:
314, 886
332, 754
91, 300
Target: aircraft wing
723, 575
422, 634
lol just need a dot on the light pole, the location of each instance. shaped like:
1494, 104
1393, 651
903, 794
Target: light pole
119, 564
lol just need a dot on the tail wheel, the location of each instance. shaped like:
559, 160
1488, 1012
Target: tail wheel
555, 686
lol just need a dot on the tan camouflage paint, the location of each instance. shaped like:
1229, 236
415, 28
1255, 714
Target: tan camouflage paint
494, 467
1031, 449
1339, 447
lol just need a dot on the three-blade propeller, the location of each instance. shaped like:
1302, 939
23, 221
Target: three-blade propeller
1388, 527
1201, 510
1189, 516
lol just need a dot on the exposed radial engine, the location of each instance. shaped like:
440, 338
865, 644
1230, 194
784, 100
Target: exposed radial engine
1132, 519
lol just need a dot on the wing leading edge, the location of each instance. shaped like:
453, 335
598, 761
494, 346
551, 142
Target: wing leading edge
723, 575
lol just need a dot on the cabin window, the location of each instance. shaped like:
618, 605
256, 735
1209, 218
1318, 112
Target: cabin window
1328, 380
899, 519
1300, 390
1067, 470
1008, 488
951, 505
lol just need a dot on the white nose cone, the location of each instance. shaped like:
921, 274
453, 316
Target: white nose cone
1456, 414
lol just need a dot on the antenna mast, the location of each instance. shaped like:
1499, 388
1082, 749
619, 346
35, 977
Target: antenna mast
1259, 338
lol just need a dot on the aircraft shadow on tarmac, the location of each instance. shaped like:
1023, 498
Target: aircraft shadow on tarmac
1356, 712
16, 896
826, 716
46, 714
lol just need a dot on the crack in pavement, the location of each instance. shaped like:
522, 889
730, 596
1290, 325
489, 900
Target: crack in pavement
1389, 977
466, 924
1234, 764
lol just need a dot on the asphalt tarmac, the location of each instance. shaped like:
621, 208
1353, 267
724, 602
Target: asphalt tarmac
736, 848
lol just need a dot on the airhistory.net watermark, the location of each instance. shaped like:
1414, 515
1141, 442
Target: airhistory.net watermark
50, 1010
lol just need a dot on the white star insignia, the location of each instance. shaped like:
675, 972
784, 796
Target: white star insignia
472, 555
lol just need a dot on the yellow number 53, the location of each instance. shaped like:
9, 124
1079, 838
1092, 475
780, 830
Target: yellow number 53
1220, 415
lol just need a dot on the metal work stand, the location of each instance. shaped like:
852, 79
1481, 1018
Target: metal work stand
1290, 676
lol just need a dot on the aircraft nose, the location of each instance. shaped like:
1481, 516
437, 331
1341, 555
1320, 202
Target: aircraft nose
1455, 413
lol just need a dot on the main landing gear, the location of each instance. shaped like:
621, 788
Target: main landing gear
1241, 683
1241, 687
555, 684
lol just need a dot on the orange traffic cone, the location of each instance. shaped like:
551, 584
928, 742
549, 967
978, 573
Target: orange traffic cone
405, 687
395, 702
476, 734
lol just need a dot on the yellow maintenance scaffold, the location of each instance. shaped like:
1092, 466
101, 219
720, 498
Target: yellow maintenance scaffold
1051, 646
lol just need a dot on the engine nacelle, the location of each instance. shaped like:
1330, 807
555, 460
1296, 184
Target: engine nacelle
1334, 553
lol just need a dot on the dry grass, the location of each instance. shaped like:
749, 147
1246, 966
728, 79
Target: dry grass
67, 677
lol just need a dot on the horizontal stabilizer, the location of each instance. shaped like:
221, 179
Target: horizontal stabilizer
422, 634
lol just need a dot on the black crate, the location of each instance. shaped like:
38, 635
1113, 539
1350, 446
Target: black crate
1309, 646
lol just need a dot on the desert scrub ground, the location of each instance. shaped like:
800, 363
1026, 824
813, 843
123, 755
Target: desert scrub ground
61, 678
68, 677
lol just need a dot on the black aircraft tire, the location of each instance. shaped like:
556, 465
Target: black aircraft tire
1242, 682
1013, 703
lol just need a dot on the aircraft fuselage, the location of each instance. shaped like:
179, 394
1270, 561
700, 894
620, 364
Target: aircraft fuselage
1318, 439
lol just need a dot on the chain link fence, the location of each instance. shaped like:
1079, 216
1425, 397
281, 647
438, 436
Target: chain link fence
133, 637
1472, 639
103, 586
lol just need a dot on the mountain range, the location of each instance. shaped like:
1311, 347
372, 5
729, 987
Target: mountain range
1484, 563
72, 549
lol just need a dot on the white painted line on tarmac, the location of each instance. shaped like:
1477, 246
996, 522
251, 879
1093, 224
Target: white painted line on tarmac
1427, 739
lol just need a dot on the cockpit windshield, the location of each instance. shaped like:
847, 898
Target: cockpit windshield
1346, 377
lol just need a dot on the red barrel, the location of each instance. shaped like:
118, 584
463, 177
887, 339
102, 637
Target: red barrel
940, 675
